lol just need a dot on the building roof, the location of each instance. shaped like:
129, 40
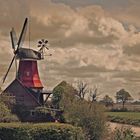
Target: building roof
16, 88
26, 53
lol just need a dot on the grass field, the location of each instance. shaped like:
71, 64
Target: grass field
130, 107
124, 117
128, 115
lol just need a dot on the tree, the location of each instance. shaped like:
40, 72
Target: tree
86, 114
123, 96
93, 94
107, 100
61, 90
63, 93
82, 89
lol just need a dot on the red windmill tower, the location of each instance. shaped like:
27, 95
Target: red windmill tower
27, 87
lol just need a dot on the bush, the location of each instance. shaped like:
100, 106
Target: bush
5, 113
42, 114
123, 134
119, 110
9, 118
124, 120
89, 116
49, 131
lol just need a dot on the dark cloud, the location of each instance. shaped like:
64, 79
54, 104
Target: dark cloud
12, 13
129, 76
72, 69
106, 3
132, 50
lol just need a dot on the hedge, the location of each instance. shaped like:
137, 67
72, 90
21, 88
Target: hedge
118, 119
40, 131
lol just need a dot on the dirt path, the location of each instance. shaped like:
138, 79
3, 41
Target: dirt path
136, 129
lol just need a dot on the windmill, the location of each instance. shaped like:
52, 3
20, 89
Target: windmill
27, 87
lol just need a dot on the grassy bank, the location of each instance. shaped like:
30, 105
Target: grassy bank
132, 118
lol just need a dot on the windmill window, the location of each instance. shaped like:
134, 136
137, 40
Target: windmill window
32, 113
27, 73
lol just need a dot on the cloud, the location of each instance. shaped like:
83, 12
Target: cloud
127, 13
12, 13
135, 50
87, 42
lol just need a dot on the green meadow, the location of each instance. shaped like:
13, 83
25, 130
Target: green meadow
132, 118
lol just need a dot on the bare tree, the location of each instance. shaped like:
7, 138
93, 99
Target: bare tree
93, 94
82, 89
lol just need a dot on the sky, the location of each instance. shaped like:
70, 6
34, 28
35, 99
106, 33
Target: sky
96, 41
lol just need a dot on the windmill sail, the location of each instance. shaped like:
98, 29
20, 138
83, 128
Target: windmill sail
22, 35
19, 43
13, 39
8, 69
